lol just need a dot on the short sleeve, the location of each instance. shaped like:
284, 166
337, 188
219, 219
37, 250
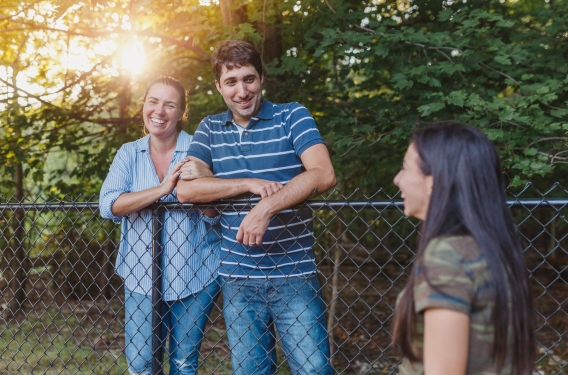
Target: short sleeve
442, 279
303, 130
117, 182
201, 143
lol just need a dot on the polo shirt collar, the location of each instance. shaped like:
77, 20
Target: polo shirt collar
266, 113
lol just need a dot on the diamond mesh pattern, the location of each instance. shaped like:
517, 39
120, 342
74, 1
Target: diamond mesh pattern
62, 305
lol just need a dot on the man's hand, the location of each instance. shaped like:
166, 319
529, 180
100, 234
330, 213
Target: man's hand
253, 227
256, 222
264, 188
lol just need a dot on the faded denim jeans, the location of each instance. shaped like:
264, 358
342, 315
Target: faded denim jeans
183, 319
254, 308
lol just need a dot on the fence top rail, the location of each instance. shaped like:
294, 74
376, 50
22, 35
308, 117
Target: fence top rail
557, 203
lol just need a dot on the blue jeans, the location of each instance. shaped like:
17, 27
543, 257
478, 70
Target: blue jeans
185, 321
253, 308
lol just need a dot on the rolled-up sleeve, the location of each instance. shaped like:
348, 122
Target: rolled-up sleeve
211, 220
117, 182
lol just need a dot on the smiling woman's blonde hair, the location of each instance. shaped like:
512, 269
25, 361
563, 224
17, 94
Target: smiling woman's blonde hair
172, 82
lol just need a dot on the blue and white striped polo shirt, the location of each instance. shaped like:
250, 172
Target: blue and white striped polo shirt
268, 148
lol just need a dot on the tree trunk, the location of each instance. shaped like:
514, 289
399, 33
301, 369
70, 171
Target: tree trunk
106, 272
268, 28
337, 252
18, 255
271, 48
233, 12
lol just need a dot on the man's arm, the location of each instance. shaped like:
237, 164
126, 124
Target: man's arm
207, 189
318, 177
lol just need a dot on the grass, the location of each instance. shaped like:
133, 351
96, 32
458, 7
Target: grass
52, 342
46, 345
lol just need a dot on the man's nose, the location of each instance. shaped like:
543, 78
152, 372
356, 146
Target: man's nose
241, 89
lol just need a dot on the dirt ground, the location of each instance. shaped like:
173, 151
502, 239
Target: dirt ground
359, 330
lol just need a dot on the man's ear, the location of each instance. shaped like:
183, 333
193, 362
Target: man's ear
262, 78
218, 85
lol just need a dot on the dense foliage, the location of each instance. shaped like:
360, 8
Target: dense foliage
370, 71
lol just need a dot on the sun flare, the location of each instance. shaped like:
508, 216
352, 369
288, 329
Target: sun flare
133, 58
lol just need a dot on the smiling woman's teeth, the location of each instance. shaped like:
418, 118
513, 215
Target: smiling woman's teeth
155, 120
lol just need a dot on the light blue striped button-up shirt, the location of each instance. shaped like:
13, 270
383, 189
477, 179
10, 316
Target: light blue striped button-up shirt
191, 239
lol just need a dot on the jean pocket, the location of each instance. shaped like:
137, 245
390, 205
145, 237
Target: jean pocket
212, 235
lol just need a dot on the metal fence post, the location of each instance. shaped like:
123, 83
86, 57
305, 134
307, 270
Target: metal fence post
157, 248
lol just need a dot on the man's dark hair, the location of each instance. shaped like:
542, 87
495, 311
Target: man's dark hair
234, 54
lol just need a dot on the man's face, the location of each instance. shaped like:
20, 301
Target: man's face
242, 91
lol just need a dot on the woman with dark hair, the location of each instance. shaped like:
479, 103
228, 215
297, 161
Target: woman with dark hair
143, 172
466, 308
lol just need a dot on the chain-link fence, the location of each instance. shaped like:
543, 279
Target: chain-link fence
63, 306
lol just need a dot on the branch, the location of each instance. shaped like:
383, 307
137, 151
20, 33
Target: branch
361, 28
203, 56
329, 6
28, 95
22, 10
497, 71
345, 106
548, 139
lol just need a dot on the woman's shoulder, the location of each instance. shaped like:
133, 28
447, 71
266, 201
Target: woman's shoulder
456, 245
137, 145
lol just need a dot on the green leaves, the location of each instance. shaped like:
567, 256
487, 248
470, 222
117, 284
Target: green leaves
428, 109
495, 66
369, 73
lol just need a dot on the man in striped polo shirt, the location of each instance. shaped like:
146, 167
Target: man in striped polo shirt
270, 155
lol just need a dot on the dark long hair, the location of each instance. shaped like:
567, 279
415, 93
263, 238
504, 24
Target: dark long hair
468, 197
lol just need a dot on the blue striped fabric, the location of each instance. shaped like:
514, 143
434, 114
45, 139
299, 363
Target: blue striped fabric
190, 260
269, 148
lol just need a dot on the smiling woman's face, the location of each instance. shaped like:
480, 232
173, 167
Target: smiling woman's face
415, 186
162, 110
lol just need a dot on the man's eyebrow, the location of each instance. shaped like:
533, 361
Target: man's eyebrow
235, 78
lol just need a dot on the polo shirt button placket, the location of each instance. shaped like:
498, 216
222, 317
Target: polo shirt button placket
246, 138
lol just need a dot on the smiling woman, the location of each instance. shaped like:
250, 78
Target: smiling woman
143, 172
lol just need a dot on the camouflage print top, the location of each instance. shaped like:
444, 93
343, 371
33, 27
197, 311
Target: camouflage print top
459, 280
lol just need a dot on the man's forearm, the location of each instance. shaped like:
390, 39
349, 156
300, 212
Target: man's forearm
209, 189
302, 187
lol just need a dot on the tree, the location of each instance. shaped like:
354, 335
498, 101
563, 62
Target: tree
371, 71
